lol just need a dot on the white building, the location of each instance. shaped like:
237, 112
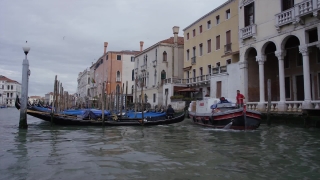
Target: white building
34, 99
83, 84
48, 98
9, 90
280, 42
160, 67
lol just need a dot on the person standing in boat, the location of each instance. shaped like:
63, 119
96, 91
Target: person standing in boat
170, 111
240, 98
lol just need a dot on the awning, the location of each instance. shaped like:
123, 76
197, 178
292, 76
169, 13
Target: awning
188, 90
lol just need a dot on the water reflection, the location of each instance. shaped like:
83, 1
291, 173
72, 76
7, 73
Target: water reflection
179, 151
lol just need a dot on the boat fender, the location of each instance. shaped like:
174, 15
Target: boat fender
211, 119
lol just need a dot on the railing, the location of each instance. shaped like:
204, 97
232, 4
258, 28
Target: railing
293, 14
215, 70
154, 63
223, 69
227, 48
248, 31
143, 67
292, 106
193, 60
118, 79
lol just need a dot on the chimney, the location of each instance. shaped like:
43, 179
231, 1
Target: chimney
175, 30
105, 47
141, 46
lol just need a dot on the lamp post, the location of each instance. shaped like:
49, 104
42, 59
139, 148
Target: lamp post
24, 90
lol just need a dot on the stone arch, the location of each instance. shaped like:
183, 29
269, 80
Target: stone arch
267, 44
253, 77
285, 40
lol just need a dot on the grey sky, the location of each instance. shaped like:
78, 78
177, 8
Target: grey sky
85, 26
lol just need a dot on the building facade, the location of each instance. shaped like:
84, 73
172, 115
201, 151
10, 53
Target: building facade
211, 49
48, 98
9, 90
159, 68
83, 89
279, 41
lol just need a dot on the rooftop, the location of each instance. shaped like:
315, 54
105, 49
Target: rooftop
3, 78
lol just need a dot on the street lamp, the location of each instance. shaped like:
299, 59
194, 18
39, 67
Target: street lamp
24, 90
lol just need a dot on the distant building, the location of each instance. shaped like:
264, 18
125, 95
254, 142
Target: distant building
9, 90
35, 99
48, 99
83, 89
160, 68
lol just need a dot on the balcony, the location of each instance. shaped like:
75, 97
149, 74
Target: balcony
175, 81
248, 32
118, 79
294, 14
154, 63
219, 69
193, 60
227, 48
144, 67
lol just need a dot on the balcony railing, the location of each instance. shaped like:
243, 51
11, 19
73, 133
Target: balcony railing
118, 79
193, 60
219, 69
227, 48
143, 67
248, 31
154, 63
293, 14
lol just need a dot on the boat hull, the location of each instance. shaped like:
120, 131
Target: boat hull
249, 120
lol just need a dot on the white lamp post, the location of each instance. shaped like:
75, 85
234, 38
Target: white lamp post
24, 90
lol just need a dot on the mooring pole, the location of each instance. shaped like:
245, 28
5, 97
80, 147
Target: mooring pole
24, 90
102, 103
54, 96
269, 103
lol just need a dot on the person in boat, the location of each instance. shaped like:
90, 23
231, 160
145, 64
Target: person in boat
223, 100
170, 111
240, 98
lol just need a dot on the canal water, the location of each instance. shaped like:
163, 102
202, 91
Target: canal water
180, 151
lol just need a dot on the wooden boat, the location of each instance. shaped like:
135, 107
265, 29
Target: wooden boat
110, 120
223, 115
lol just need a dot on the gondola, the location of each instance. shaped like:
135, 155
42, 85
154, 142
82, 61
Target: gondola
92, 120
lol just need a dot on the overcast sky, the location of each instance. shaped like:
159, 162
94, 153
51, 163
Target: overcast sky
66, 36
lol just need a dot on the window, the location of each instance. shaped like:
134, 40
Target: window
101, 61
209, 69
287, 87
200, 29
132, 89
193, 32
107, 57
228, 61
209, 45
8, 87
118, 76
188, 55
218, 64
313, 35
155, 78
319, 83
194, 52
194, 75
228, 42
208, 24
163, 74
187, 36
287, 4
119, 57
228, 14
11, 94
218, 42
7, 94
132, 75
249, 14
164, 54
132, 58
88, 80
200, 49
217, 19
201, 71
154, 97
156, 54
11, 87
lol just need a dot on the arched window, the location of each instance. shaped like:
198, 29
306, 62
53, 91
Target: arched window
132, 74
164, 56
156, 53
163, 74
118, 76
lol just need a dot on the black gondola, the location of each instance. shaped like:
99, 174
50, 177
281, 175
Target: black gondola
61, 119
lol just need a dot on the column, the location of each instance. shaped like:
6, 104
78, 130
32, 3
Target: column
243, 79
281, 105
261, 60
306, 77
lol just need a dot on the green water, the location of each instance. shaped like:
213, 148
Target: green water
179, 151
